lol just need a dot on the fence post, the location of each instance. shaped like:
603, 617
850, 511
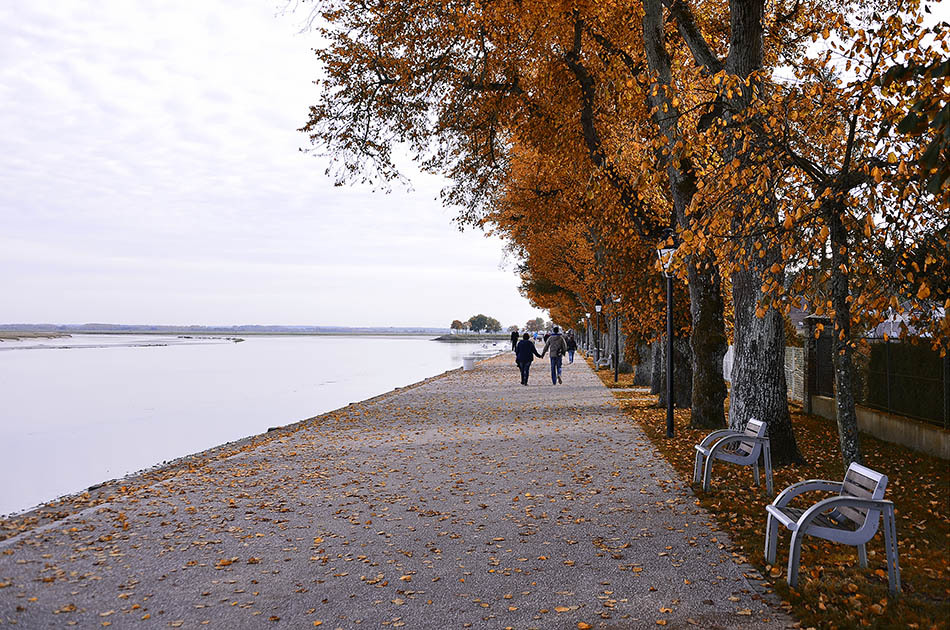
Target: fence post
946, 392
887, 371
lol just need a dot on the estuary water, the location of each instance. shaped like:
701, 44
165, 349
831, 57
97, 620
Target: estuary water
80, 410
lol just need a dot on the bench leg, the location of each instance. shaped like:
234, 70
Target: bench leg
794, 556
697, 467
707, 472
755, 472
863, 555
771, 539
890, 548
767, 456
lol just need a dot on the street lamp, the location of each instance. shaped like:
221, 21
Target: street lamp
587, 330
616, 300
597, 307
666, 263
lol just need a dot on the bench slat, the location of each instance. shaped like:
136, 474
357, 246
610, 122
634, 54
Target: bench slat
858, 484
851, 489
858, 515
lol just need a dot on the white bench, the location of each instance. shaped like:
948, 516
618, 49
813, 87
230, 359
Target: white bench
851, 518
738, 448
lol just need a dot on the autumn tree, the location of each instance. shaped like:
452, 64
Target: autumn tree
452, 82
481, 322
861, 218
534, 325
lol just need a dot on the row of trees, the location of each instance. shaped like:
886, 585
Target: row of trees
795, 153
481, 322
477, 323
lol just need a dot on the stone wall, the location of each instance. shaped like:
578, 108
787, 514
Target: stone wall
795, 372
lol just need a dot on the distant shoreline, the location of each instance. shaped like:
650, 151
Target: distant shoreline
466, 338
60, 330
17, 335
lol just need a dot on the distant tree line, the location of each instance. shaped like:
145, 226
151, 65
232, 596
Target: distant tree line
478, 323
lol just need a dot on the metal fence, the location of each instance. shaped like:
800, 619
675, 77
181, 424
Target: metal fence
897, 377
824, 368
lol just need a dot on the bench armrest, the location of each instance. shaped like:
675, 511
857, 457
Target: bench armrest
736, 438
716, 435
785, 496
839, 501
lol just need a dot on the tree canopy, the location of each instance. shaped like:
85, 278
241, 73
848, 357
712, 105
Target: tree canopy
795, 153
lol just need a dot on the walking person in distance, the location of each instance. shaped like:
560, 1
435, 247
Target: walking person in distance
558, 348
571, 347
514, 340
524, 355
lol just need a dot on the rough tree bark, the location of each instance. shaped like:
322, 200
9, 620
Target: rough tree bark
759, 389
657, 382
708, 336
682, 373
643, 374
842, 352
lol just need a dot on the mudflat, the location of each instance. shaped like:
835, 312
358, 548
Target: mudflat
466, 501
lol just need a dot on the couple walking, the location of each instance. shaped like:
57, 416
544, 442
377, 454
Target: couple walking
558, 346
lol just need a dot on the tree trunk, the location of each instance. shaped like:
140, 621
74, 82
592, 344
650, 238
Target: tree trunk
708, 337
657, 369
644, 367
841, 349
759, 389
682, 373
708, 344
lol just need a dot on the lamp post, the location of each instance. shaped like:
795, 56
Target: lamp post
616, 300
666, 263
597, 307
587, 330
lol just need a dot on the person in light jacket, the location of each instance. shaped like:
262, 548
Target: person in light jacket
524, 355
558, 348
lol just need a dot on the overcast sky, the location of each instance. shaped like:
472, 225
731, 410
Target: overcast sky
150, 173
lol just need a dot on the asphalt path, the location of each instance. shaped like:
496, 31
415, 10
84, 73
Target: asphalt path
468, 501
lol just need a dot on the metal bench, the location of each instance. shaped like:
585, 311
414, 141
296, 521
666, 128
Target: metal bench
738, 448
850, 518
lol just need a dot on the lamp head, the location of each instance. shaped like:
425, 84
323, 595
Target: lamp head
665, 254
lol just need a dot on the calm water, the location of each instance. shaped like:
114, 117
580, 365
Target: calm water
80, 410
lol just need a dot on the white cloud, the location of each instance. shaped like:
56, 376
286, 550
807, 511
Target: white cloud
149, 172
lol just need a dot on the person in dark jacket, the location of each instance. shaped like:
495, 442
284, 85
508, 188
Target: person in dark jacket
525, 353
514, 340
558, 348
571, 347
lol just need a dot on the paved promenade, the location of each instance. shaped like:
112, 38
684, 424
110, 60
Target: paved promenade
466, 502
